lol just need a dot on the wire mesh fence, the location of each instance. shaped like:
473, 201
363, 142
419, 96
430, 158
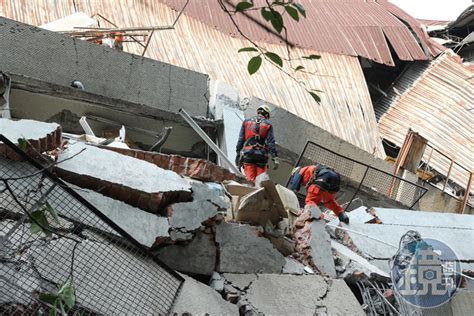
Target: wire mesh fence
396, 188
58, 253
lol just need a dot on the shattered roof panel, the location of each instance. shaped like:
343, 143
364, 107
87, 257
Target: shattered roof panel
349, 27
434, 99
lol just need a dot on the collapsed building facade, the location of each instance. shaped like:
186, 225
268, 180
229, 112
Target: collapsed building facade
194, 224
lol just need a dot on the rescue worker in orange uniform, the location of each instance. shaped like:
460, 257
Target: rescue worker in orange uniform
255, 142
322, 184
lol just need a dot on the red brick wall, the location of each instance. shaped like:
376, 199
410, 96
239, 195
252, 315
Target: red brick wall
49, 142
199, 169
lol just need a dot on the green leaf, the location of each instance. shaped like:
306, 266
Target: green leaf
275, 58
67, 294
61, 307
315, 97
22, 143
248, 49
48, 298
312, 57
299, 68
52, 211
243, 5
300, 8
39, 221
254, 64
54, 311
277, 21
293, 13
266, 14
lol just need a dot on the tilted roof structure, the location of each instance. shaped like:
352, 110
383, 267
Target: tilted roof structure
205, 41
436, 100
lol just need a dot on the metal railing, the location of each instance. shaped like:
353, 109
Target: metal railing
53, 242
394, 187
452, 165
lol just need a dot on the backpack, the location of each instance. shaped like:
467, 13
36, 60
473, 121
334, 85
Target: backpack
325, 178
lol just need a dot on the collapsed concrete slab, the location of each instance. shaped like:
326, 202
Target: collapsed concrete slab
143, 226
41, 136
18, 282
293, 267
383, 240
242, 251
196, 298
273, 294
101, 268
127, 179
189, 216
197, 257
313, 246
356, 263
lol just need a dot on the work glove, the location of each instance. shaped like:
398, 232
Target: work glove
276, 163
237, 159
344, 218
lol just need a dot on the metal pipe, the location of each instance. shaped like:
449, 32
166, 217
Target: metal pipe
121, 29
447, 177
466, 193
208, 140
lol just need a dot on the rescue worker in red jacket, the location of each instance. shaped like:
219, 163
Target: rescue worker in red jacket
322, 184
255, 142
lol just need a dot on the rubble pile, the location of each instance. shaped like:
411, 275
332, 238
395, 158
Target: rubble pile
237, 236
258, 251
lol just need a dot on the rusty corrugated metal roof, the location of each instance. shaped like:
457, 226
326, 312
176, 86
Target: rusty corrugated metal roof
350, 27
346, 108
434, 99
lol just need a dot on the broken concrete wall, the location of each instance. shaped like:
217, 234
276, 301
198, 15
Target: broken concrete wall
102, 70
435, 200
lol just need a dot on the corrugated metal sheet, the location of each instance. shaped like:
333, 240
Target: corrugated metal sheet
434, 99
349, 27
346, 109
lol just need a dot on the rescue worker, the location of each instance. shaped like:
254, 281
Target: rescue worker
322, 184
255, 142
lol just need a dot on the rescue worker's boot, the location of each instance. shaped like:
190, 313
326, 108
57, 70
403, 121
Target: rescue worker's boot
344, 218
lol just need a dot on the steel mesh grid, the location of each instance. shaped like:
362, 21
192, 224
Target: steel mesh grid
374, 179
110, 274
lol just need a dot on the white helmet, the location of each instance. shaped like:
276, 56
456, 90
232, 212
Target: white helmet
264, 109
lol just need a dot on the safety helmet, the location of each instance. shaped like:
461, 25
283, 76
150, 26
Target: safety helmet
264, 110
328, 180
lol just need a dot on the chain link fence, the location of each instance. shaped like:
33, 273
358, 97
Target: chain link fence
396, 188
58, 253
